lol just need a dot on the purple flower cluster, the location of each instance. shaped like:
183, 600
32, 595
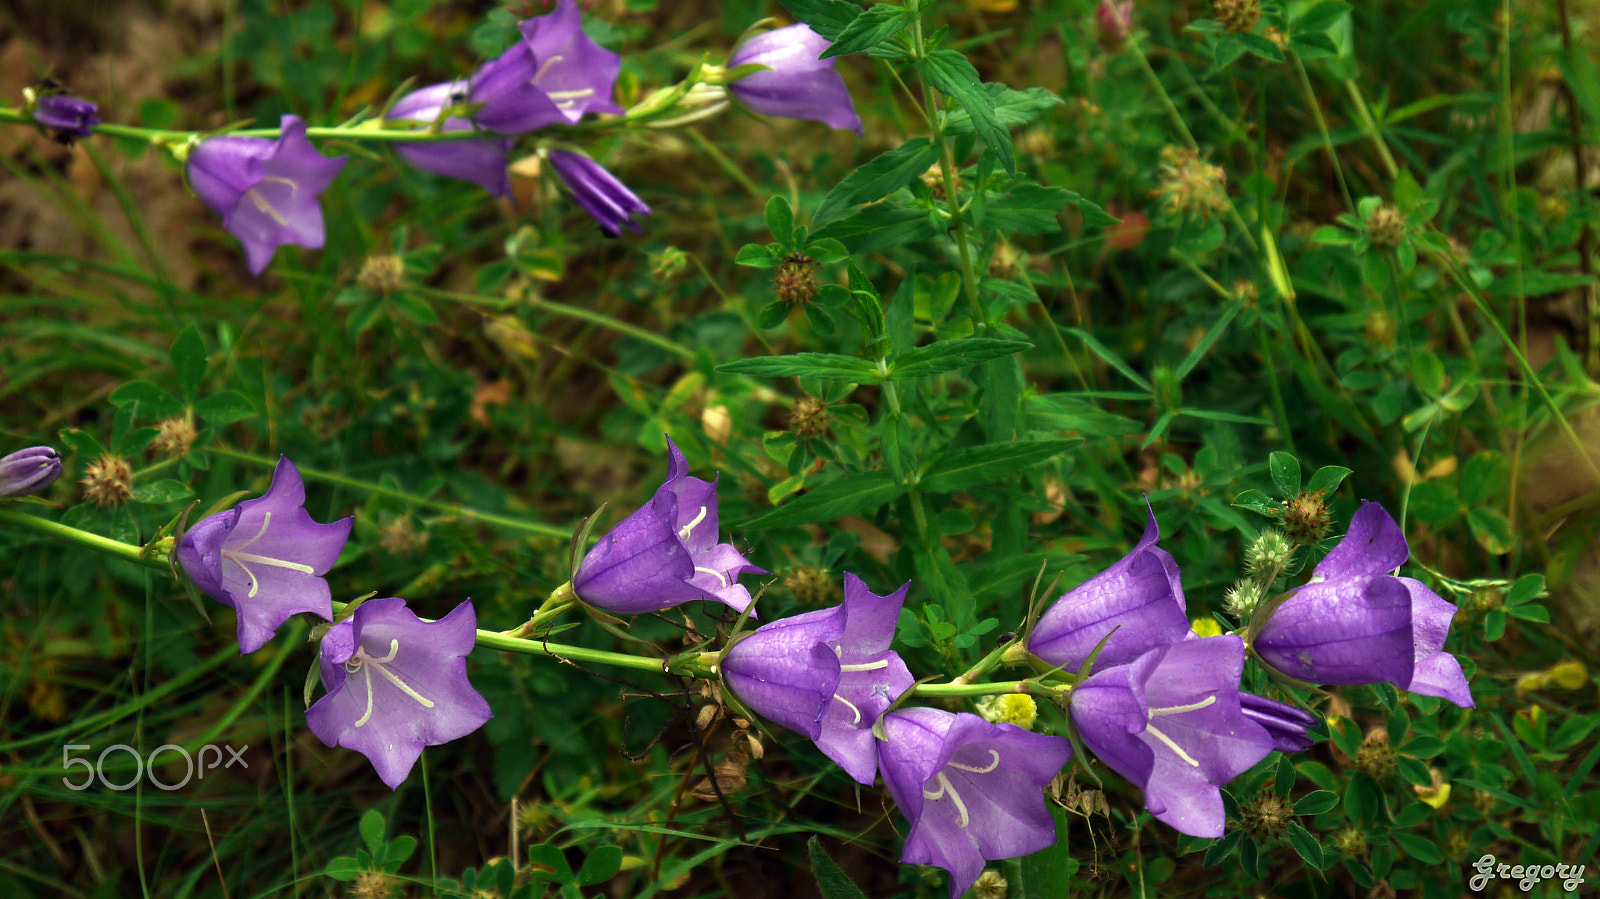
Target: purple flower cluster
1162, 705
394, 682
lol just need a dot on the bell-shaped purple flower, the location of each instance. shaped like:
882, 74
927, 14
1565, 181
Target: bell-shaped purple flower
29, 470
796, 84
666, 553
397, 683
553, 76
265, 558
482, 162
1141, 596
1353, 623
606, 199
1171, 723
827, 674
265, 190
66, 118
1287, 725
973, 791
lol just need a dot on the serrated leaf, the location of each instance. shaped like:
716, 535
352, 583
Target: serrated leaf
852, 494
832, 882
878, 178
1023, 208
1285, 470
757, 256
1094, 216
160, 492
822, 366
153, 401
225, 408
1305, 845
826, 17
952, 75
979, 465
951, 355
1012, 108
189, 361
874, 26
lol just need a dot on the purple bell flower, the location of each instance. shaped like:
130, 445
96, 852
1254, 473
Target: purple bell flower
265, 558
67, 118
796, 84
29, 470
553, 76
666, 553
1141, 596
973, 791
606, 199
396, 684
827, 674
265, 190
1284, 723
1353, 623
482, 162
1171, 723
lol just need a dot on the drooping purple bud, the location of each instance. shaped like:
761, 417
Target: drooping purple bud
606, 199
67, 118
1286, 724
29, 470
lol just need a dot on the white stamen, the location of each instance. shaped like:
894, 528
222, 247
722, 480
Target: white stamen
1180, 709
239, 558
261, 203
946, 790
366, 664
851, 706
866, 666
720, 579
1150, 729
994, 762
683, 532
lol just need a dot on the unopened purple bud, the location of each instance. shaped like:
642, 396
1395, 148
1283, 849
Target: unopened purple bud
1114, 20
598, 191
67, 118
796, 83
29, 470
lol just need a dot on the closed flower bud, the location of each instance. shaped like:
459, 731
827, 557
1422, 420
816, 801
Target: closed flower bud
29, 470
1385, 226
1241, 600
794, 281
1268, 554
1265, 817
1238, 16
65, 118
174, 437
1113, 20
1306, 519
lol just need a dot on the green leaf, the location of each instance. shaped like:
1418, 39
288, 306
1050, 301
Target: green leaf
1334, 236
1024, 208
1305, 845
344, 869
982, 464
1316, 802
1111, 358
1491, 529
601, 865
1320, 17
1256, 501
1285, 469
1257, 45
1223, 848
1422, 850
1527, 588
878, 178
826, 17
881, 226
758, 256
773, 314
822, 366
950, 355
1042, 874
399, 851
1327, 479
876, 25
780, 221
900, 320
153, 401
1423, 746
896, 442
189, 361
952, 75
160, 492
372, 831
225, 408
1012, 108
852, 494
1093, 215
832, 882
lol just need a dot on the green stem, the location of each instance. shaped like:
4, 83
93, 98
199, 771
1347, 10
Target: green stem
531, 527
68, 534
578, 312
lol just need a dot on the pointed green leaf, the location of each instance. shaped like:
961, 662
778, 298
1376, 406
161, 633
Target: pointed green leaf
780, 221
982, 464
876, 25
1285, 470
852, 494
952, 75
832, 882
189, 361
823, 366
878, 178
951, 355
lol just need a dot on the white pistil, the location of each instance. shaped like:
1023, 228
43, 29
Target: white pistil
1176, 710
851, 706
994, 762
866, 666
720, 579
945, 789
366, 664
683, 532
238, 557
1180, 709
1151, 729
